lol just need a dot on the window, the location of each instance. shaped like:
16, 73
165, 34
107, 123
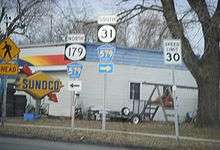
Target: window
135, 90
167, 97
167, 91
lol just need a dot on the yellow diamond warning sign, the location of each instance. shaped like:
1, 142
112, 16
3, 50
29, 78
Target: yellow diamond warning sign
8, 50
38, 85
8, 69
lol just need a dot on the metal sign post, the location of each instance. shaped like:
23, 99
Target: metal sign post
173, 56
4, 101
73, 108
175, 106
5, 83
74, 52
105, 54
73, 71
106, 34
73, 86
7, 56
104, 99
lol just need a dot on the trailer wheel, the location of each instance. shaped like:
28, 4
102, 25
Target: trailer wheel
135, 119
125, 111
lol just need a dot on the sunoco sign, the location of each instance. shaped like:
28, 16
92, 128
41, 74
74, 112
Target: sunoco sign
39, 85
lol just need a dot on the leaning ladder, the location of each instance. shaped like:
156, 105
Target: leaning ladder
148, 106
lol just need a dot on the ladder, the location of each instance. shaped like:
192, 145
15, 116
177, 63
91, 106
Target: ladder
150, 109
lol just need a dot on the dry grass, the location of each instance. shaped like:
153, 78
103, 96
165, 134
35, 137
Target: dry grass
146, 127
117, 139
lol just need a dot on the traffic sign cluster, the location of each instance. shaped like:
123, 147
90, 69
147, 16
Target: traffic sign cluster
106, 34
75, 51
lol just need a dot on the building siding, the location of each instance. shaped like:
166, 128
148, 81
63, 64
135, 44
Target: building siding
131, 65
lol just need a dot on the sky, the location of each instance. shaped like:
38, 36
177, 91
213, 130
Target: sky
95, 8
102, 7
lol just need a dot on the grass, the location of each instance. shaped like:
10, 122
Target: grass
146, 127
116, 139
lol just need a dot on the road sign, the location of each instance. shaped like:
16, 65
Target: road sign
74, 70
75, 52
172, 52
8, 50
106, 68
106, 52
107, 19
75, 85
106, 33
9, 69
75, 38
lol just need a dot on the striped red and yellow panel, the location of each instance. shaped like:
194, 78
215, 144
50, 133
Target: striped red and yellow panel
46, 60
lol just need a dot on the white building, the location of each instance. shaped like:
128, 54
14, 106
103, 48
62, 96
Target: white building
131, 67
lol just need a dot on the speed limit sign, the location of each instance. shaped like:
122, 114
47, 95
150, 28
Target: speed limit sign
172, 52
106, 33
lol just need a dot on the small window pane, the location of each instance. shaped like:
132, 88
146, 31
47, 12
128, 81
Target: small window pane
134, 90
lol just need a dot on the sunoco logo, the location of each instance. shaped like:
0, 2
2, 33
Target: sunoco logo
39, 85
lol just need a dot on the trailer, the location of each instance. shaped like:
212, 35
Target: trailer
156, 100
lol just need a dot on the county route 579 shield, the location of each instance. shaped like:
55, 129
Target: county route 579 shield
8, 50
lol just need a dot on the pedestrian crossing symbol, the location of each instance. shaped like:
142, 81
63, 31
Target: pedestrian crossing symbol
8, 50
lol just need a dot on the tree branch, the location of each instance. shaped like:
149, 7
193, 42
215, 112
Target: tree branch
176, 29
200, 7
30, 5
2, 14
124, 15
217, 12
216, 18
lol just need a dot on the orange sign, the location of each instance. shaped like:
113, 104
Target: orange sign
38, 85
8, 69
8, 50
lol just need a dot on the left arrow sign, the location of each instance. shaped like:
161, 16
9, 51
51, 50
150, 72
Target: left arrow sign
75, 85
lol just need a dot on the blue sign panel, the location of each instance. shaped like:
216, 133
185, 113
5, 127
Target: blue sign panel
106, 52
106, 68
74, 70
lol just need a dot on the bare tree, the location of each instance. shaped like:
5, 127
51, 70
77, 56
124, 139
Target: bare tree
150, 28
122, 37
145, 30
69, 19
205, 70
22, 12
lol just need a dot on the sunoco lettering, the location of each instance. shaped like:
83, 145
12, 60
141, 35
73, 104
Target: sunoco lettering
41, 84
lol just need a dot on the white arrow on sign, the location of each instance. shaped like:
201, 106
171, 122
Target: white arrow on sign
105, 68
75, 85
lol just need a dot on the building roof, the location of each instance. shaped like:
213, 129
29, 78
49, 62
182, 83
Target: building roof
49, 53
134, 57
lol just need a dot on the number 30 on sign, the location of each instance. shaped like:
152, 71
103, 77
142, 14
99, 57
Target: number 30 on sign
172, 52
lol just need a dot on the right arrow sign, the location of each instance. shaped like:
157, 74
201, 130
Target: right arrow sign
106, 68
